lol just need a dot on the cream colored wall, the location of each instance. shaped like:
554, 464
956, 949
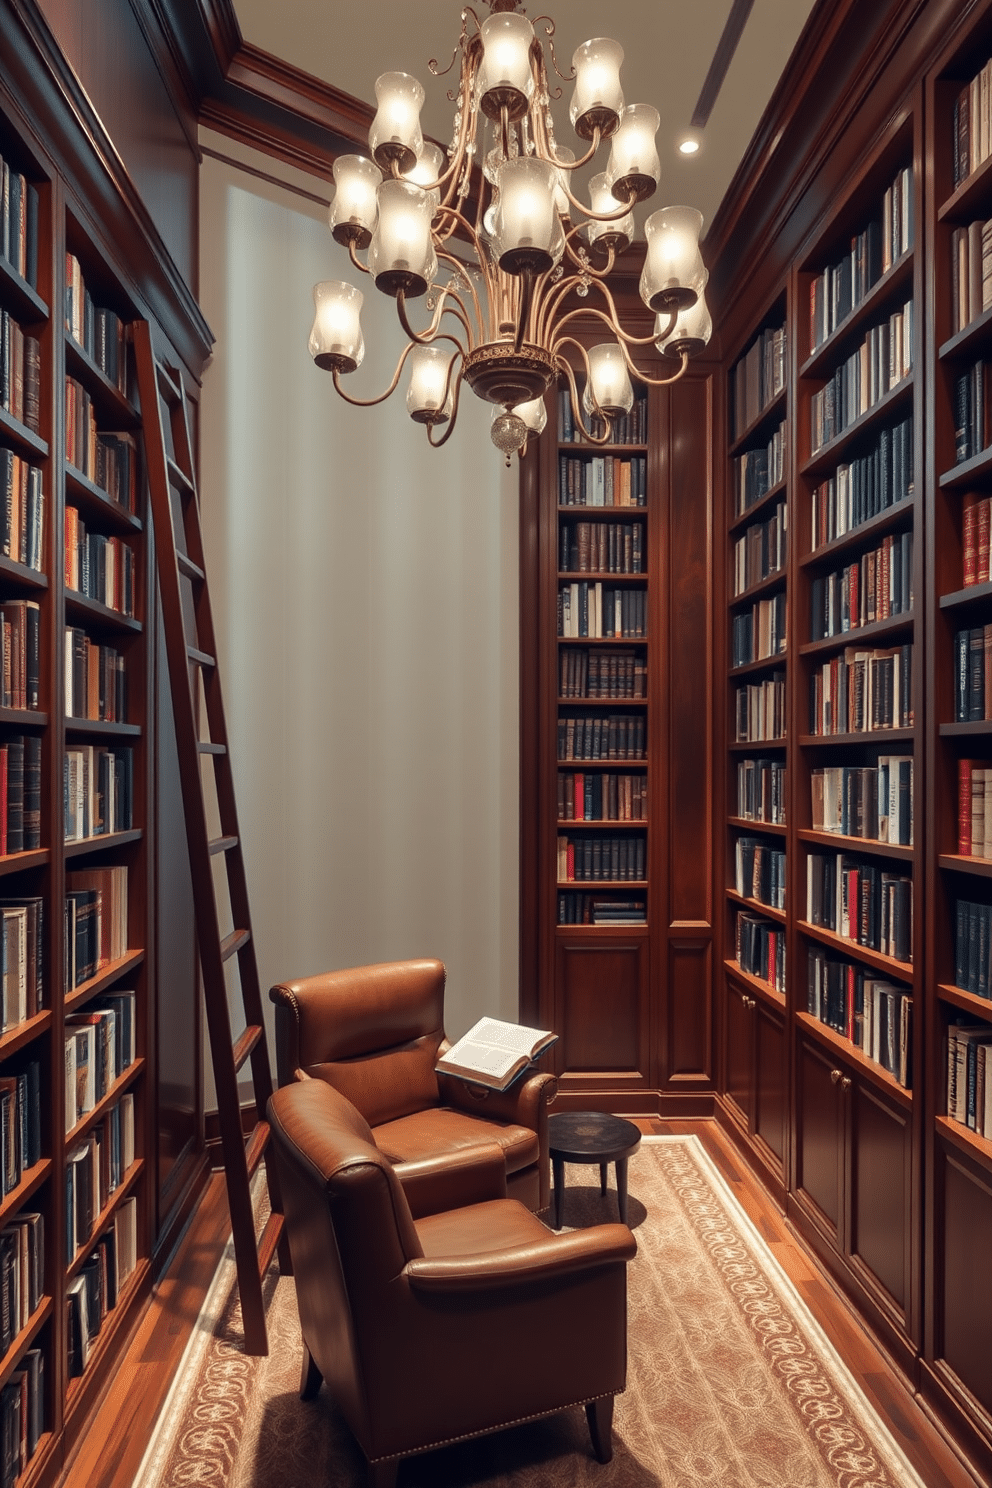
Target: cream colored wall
365, 598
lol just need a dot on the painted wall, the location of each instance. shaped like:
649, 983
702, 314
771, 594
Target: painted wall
365, 597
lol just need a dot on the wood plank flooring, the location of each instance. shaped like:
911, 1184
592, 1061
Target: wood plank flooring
112, 1449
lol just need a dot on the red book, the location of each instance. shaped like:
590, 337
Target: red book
849, 1000
964, 807
570, 870
969, 539
772, 947
579, 809
982, 542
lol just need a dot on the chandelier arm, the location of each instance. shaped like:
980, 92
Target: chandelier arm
363, 268
563, 290
656, 381
432, 334
437, 443
432, 66
371, 402
466, 278
603, 438
586, 266
482, 259
549, 31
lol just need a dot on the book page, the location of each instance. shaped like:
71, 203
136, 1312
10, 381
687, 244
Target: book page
485, 1058
501, 1035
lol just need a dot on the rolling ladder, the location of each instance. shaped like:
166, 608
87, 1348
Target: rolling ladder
193, 672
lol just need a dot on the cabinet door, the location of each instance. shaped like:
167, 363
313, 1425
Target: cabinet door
964, 1300
602, 1011
770, 1088
881, 1190
740, 1053
820, 1138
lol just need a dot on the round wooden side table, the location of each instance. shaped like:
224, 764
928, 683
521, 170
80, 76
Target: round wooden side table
591, 1137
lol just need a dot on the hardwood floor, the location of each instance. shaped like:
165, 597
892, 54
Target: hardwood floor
112, 1449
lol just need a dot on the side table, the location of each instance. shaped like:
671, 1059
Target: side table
591, 1137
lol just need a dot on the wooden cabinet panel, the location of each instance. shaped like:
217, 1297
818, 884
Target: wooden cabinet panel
602, 998
881, 1189
689, 1001
967, 1295
820, 1136
739, 1052
770, 1081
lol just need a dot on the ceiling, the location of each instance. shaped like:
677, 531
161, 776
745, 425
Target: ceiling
668, 49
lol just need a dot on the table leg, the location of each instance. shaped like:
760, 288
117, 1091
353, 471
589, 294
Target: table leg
558, 1169
622, 1189
604, 1170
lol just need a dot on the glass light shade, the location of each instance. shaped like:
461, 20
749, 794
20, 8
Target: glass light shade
425, 397
528, 231
634, 167
336, 340
597, 100
428, 171
353, 210
609, 381
395, 132
674, 274
616, 234
691, 332
401, 254
505, 79
562, 204
534, 414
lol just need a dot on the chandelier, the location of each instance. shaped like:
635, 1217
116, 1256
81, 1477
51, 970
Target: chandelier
515, 260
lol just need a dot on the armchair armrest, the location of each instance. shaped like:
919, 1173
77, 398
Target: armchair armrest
525, 1103
559, 1255
451, 1180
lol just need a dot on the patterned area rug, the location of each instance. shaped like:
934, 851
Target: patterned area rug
731, 1382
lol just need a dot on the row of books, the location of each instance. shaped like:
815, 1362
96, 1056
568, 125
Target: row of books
22, 515
601, 547
972, 411
971, 273
602, 480
97, 566
109, 460
759, 948
973, 947
759, 710
94, 1169
759, 632
759, 871
588, 609
22, 1415
22, 928
863, 691
22, 1274
841, 287
976, 520
865, 486
21, 625
20, 1124
761, 790
757, 379
874, 1014
974, 808
611, 859
602, 674
601, 796
95, 1290
874, 802
969, 1076
626, 428
95, 679
589, 909
762, 550
875, 586
971, 141
19, 222
616, 737
881, 362
973, 674
20, 373
20, 794
758, 471
98, 791
101, 333
861, 902
95, 921
94, 1044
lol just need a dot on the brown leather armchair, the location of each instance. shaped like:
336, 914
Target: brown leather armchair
429, 1331
374, 1033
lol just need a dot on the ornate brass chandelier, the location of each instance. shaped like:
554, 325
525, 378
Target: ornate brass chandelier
506, 316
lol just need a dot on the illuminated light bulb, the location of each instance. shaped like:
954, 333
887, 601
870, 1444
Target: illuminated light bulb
395, 132
505, 78
428, 171
336, 340
353, 211
674, 274
528, 231
401, 254
597, 100
634, 168
426, 402
609, 381
689, 145
615, 235
691, 332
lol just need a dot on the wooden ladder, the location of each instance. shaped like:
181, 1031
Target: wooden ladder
192, 661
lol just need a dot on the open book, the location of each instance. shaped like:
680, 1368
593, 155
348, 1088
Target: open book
493, 1053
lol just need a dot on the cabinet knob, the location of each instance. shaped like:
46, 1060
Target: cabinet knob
747, 1001
845, 1083
835, 1075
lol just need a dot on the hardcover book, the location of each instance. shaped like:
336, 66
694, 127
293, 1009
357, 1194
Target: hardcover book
494, 1053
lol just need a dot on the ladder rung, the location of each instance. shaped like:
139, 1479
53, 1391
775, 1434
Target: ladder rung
168, 383
233, 942
189, 568
221, 844
269, 1242
245, 1044
257, 1143
205, 748
179, 478
200, 658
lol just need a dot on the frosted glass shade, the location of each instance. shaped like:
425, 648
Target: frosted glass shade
353, 210
616, 234
597, 99
395, 132
674, 274
428, 171
336, 340
426, 401
505, 79
691, 332
609, 381
534, 414
528, 231
401, 254
634, 167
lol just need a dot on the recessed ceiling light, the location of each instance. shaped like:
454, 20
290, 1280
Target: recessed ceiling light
689, 145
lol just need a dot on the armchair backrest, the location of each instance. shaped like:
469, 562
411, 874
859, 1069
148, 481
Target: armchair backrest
373, 1032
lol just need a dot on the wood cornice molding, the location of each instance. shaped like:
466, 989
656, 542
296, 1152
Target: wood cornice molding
288, 87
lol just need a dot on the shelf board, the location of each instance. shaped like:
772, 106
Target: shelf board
31, 718
582, 447
964, 1138
969, 340
599, 885
30, 578
877, 737
763, 664
779, 829
973, 472
765, 910
901, 970
104, 978
92, 609
959, 863
969, 595
867, 845
18, 1035
23, 302
972, 192
106, 393
22, 1343
603, 640
900, 273
748, 746
766, 416
24, 439
569, 508
104, 843
828, 454
17, 862
116, 1318
615, 927
591, 702
101, 728
770, 498
893, 625
899, 514
758, 984
763, 586
31, 1181
974, 728
855, 1056
80, 488
968, 1002
93, 1118
120, 1193
619, 766
562, 821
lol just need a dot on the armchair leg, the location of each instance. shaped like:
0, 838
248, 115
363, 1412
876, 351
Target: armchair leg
599, 1414
310, 1377
383, 1474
